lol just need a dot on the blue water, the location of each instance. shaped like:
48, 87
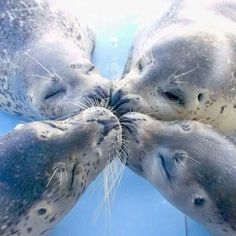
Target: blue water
138, 208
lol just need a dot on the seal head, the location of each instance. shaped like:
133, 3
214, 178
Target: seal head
45, 61
46, 166
183, 66
175, 158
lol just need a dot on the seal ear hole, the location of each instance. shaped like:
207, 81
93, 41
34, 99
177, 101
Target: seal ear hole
200, 97
42, 211
198, 201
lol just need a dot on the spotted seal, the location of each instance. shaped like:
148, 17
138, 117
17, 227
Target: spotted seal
175, 158
45, 61
183, 66
45, 166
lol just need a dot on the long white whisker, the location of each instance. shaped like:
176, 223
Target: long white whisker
41, 76
52, 177
185, 73
34, 59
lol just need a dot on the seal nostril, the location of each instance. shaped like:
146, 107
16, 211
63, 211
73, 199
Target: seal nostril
108, 124
140, 67
200, 97
116, 97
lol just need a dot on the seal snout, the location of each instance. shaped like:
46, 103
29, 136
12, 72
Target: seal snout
109, 124
123, 102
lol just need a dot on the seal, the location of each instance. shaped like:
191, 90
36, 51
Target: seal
183, 66
175, 158
45, 61
45, 166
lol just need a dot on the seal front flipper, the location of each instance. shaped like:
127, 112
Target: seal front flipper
46, 166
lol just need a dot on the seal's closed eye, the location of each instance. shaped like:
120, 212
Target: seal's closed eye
174, 95
55, 93
85, 67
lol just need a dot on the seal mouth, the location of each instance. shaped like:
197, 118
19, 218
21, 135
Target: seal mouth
98, 95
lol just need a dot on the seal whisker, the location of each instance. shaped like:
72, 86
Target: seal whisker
61, 172
185, 73
88, 102
112, 176
188, 157
182, 163
41, 76
23, 9
35, 60
78, 104
50, 179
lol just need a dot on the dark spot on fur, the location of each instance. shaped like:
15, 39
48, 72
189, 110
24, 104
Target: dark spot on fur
68, 195
91, 120
14, 232
45, 231
234, 74
17, 113
52, 219
56, 200
29, 230
42, 211
222, 109
87, 164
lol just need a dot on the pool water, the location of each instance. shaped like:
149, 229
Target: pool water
138, 209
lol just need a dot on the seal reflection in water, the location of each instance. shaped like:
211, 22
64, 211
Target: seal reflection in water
183, 66
46, 166
45, 61
193, 166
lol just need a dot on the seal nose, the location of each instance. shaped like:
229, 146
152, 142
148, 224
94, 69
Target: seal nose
98, 94
109, 124
123, 103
